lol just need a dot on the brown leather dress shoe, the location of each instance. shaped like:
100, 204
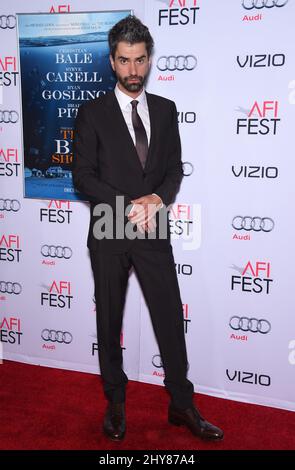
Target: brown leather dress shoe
192, 419
114, 425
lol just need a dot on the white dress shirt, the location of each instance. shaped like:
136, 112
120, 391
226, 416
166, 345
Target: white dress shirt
143, 111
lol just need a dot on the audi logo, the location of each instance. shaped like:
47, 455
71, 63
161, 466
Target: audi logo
8, 117
157, 361
7, 22
9, 205
58, 251
250, 324
10, 288
187, 168
179, 62
259, 4
257, 224
57, 336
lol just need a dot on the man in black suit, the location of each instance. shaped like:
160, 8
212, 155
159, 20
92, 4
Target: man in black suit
127, 161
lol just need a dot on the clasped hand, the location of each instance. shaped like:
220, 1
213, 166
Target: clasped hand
143, 212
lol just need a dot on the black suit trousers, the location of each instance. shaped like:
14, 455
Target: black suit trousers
157, 276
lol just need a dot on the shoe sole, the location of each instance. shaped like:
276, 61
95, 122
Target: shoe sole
176, 422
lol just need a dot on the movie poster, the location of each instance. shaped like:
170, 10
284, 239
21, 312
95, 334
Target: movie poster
64, 61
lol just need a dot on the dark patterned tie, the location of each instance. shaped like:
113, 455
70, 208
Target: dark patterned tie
141, 141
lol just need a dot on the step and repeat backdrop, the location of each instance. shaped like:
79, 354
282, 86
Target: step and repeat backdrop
229, 66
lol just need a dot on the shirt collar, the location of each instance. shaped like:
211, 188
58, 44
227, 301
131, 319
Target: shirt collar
125, 100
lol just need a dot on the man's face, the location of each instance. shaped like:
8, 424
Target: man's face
131, 66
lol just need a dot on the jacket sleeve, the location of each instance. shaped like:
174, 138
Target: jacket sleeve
174, 173
85, 164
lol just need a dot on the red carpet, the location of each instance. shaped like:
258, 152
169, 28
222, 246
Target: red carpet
44, 408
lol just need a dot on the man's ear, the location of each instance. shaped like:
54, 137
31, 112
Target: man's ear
112, 62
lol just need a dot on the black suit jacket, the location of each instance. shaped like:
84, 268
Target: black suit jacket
106, 163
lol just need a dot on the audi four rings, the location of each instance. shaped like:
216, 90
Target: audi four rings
157, 361
179, 62
10, 287
250, 324
257, 224
57, 336
7, 21
58, 251
259, 4
7, 117
9, 205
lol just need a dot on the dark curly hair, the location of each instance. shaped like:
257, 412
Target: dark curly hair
131, 30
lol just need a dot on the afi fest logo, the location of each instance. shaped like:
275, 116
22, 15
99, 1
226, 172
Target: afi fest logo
57, 295
60, 9
259, 280
10, 248
178, 13
8, 71
56, 212
10, 331
185, 224
8, 74
266, 121
9, 164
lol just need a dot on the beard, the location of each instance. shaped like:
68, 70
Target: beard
130, 86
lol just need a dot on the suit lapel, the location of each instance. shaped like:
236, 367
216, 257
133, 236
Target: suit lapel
153, 113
